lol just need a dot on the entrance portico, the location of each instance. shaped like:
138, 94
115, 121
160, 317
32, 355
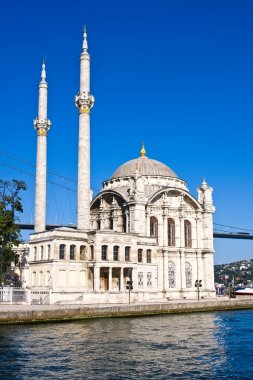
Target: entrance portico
111, 278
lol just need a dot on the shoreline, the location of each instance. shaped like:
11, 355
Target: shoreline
23, 314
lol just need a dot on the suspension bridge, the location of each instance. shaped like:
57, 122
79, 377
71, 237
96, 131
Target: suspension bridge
220, 231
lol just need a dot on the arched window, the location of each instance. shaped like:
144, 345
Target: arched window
172, 274
188, 275
49, 252
62, 251
149, 256
127, 253
116, 253
111, 223
187, 234
35, 254
139, 255
82, 252
72, 252
153, 227
41, 252
104, 252
171, 233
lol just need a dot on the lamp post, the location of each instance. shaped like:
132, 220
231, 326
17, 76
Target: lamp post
129, 288
198, 284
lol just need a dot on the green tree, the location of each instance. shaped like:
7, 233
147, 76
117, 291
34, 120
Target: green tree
10, 208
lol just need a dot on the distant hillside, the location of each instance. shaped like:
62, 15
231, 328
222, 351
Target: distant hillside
241, 271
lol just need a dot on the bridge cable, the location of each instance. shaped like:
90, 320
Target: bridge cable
33, 175
235, 228
49, 171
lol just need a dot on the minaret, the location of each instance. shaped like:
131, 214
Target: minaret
42, 126
84, 102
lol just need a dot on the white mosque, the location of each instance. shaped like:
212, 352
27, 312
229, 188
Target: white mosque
144, 227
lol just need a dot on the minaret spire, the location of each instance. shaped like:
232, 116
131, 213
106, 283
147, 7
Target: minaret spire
42, 126
84, 102
43, 71
85, 43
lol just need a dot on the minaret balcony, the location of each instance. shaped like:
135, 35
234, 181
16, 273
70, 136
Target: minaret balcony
84, 101
42, 126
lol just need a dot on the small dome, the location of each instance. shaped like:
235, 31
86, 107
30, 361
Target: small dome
146, 166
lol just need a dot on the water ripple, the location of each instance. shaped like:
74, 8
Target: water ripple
193, 346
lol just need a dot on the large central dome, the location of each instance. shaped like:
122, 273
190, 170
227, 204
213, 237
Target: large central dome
145, 166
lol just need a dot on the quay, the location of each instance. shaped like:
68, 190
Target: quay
21, 314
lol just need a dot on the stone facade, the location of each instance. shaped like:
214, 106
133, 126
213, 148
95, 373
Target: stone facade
144, 226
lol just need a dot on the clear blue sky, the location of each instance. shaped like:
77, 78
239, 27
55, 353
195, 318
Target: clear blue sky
176, 74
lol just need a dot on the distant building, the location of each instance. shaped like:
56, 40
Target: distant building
144, 226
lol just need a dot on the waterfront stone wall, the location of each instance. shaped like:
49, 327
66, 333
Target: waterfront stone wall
53, 313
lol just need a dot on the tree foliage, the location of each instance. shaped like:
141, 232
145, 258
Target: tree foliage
10, 208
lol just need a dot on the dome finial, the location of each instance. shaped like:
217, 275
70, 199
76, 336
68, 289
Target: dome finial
143, 150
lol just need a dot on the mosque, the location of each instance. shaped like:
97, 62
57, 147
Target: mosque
144, 230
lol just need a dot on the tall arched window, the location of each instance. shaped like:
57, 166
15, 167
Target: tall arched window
72, 252
104, 252
49, 252
41, 252
149, 256
171, 233
139, 255
187, 234
82, 252
62, 251
116, 253
35, 254
172, 274
188, 275
127, 253
153, 227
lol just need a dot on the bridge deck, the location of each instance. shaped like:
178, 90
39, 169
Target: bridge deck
219, 235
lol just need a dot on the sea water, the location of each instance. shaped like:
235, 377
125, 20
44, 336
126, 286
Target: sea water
216, 345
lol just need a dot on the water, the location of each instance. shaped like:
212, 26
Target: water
191, 346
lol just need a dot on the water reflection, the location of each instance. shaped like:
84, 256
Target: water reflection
201, 346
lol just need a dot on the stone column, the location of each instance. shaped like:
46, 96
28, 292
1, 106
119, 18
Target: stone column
165, 231
182, 242
121, 279
165, 270
42, 126
96, 279
110, 279
84, 102
199, 265
127, 220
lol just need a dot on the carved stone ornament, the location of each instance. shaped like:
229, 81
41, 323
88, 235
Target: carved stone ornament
84, 102
41, 132
42, 126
